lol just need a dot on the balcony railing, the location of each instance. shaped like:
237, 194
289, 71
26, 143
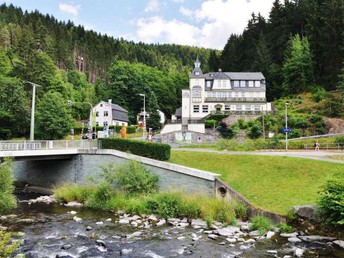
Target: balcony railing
227, 99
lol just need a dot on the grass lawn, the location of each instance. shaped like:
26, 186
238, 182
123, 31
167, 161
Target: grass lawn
272, 183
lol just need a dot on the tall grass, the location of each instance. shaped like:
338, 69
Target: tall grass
163, 204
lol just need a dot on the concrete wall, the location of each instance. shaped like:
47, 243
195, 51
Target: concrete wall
87, 163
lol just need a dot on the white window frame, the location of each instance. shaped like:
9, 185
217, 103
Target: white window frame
236, 84
242, 84
250, 84
196, 108
257, 84
205, 108
227, 107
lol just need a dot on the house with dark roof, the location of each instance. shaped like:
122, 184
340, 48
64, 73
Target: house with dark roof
219, 92
107, 113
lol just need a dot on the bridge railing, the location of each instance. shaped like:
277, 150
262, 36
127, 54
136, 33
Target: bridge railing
47, 145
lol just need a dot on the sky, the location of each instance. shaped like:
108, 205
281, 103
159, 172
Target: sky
202, 23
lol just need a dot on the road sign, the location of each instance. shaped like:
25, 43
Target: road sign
286, 130
199, 139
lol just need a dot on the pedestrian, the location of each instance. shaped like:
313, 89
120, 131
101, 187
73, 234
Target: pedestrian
316, 146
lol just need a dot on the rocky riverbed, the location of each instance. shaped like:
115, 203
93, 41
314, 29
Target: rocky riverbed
50, 229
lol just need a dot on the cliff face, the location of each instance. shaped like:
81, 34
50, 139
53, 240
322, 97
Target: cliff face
334, 125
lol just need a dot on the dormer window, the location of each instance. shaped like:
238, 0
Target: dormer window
197, 73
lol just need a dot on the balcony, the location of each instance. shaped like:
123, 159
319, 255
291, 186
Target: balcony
233, 100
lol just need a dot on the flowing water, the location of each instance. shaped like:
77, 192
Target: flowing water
50, 231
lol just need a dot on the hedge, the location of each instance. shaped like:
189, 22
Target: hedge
159, 151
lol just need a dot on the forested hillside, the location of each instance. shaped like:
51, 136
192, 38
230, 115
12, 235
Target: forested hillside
299, 48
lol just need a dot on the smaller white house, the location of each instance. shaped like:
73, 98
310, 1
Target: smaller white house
107, 113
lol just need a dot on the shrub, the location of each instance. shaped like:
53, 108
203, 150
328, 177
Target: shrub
261, 223
255, 131
340, 141
100, 197
131, 177
331, 202
241, 211
72, 192
7, 247
7, 199
159, 151
285, 228
210, 123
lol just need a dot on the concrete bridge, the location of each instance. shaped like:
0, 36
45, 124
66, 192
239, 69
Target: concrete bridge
50, 163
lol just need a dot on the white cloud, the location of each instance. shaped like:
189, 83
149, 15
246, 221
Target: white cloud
69, 8
152, 6
178, 1
186, 12
157, 29
216, 20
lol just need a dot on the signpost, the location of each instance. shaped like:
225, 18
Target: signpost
286, 130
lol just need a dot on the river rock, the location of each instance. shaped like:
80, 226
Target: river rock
77, 219
173, 221
26, 221
254, 233
306, 212
288, 235
124, 221
271, 251
126, 251
250, 241
316, 239
197, 223
298, 252
269, 234
294, 240
99, 223
231, 240
108, 220
183, 224
161, 223
213, 236
88, 228
228, 231
72, 212
73, 204
66, 247
135, 234
101, 243
339, 243
152, 218
3, 228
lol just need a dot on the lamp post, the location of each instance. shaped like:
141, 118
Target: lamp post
32, 127
286, 126
262, 107
144, 115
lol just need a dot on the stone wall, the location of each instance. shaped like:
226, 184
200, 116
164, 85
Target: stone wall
79, 168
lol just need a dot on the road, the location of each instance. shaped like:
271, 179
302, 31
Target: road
317, 155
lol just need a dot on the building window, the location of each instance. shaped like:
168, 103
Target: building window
219, 84
237, 94
243, 94
247, 108
197, 92
101, 105
97, 113
106, 113
257, 84
242, 84
227, 108
196, 108
117, 123
97, 123
239, 107
208, 84
205, 108
250, 84
123, 124
236, 84
224, 84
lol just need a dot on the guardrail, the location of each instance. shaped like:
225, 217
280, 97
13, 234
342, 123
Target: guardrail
325, 146
48, 145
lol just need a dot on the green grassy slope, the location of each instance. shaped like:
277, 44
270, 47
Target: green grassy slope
272, 183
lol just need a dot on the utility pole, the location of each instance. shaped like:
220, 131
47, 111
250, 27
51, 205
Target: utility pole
32, 127
286, 126
144, 115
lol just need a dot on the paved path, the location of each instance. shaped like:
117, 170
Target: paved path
317, 155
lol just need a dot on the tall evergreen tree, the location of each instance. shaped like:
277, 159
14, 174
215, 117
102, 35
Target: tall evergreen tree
298, 66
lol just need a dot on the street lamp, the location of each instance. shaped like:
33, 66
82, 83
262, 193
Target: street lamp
32, 127
144, 115
286, 126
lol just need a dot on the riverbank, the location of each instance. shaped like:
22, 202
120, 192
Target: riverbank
54, 230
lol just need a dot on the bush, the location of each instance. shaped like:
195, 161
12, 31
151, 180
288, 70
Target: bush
255, 131
210, 123
159, 151
285, 228
7, 247
72, 192
262, 224
131, 177
331, 203
340, 141
7, 199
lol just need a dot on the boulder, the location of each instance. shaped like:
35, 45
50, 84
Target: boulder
316, 239
306, 212
339, 243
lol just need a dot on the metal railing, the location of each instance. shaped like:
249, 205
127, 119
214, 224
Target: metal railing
48, 145
325, 146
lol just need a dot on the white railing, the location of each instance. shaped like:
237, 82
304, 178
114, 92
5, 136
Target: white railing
47, 145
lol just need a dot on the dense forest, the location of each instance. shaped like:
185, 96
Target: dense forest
299, 48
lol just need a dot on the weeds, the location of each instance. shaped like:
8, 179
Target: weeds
262, 224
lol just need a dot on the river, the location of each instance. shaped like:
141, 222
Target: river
51, 230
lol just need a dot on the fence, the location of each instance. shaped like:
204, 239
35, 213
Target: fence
48, 145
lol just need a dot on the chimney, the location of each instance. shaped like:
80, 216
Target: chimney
110, 102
